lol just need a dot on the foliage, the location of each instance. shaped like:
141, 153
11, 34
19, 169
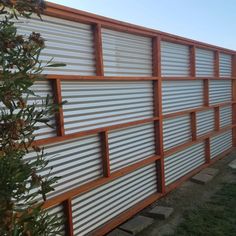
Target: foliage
20, 181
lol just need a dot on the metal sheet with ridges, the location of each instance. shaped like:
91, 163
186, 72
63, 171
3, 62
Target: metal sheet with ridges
98, 206
126, 54
204, 63
175, 59
181, 163
225, 116
220, 91
130, 145
181, 95
225, 65
76, 161
66, 42
176, 131
220, 143
205, 122
99, 104
57, 212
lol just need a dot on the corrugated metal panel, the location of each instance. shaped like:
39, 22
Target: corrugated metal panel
42, 89
66, 41
220, 91
126, 54
205, 122
225, 116
58, 212
225, 65
204, 63
176, 131
181, 163
220, 143
181, 95
76, 161
102, 204
175, 60
131, 145
98, 104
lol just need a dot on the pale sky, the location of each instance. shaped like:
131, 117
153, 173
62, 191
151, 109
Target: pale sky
210, 21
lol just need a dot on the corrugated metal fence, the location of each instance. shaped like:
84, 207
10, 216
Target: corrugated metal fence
145, 111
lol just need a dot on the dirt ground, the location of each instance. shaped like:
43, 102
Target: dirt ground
190, 196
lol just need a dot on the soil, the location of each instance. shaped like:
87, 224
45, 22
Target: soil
190, 196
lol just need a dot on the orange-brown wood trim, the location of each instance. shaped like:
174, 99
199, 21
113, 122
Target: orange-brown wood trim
94, 131
217, 118
105, 154
101, 181
58, 100
193, 61
148, 201
206, 92
95, 78
193, 125
195, 78
177, 183
98, 49
207, 150
216, 64
81, 16
126, 78
204, 108
198, 140
126, 215
68, 217
159, 136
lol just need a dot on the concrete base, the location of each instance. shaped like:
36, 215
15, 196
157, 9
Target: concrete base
205, 176
160, 212
232, 164
202, 178
136, 224
118, 232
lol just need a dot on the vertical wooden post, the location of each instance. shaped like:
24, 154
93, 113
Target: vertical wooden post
157, 87
234, 98
217, 118
216, 64
105, 153
68, 215
207, 151
192, 61
193, 125
98, 49
206, 92
58, 100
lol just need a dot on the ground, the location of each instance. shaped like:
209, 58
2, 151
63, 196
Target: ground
201, 210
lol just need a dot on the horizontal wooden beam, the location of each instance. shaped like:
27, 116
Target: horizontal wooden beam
126, 215
203, 108
93, 131
129, 78
198, 140
99, 182
75, 15
99, 78
177, 183
148, 201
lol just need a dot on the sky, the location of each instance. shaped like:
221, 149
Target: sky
210, 21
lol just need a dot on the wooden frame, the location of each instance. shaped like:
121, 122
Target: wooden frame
97, 23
